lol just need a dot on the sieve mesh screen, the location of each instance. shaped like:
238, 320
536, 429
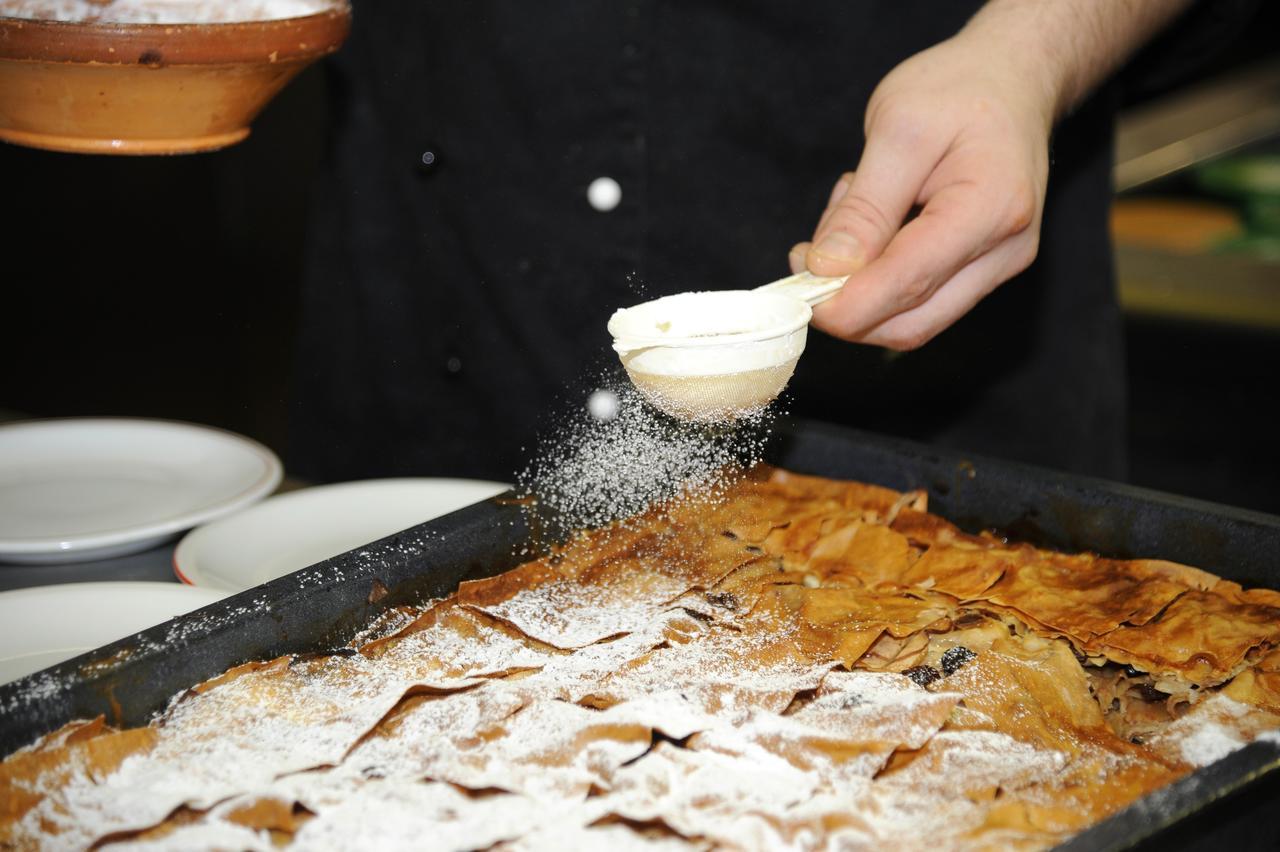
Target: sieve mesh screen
713, 399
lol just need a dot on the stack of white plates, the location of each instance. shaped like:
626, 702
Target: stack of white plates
87, 489
294, 530
81, 489
45, 625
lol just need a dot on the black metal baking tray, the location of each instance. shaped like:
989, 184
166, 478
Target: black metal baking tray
322, 606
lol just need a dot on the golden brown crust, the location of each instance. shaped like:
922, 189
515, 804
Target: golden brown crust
831, 634
1202, 636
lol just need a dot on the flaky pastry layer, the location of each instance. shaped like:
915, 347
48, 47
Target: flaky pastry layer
803, 663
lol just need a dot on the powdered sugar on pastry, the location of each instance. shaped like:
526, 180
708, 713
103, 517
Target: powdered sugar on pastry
734, 677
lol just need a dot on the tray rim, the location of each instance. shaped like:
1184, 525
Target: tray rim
1126, 828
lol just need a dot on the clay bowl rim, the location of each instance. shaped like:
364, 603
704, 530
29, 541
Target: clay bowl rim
222, 43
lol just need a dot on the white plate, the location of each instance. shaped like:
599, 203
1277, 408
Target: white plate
45, 625
87, 488
294, 530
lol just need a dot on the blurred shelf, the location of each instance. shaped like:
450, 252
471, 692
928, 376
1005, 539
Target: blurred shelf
1197, 124
1175, 225
1211, 288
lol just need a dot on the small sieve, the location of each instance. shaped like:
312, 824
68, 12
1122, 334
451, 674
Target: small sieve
721, 354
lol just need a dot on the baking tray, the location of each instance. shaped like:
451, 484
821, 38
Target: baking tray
323, 606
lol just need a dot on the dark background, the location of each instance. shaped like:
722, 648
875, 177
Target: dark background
168, 287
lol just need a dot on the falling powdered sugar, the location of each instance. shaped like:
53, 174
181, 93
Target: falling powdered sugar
593, 470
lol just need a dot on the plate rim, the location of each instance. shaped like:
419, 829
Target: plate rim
261, 487
130, 588
187, 544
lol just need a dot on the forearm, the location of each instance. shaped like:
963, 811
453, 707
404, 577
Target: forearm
1067, 46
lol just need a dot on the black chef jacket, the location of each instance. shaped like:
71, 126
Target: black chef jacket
459, 278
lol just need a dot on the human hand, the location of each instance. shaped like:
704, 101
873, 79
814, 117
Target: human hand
962, 134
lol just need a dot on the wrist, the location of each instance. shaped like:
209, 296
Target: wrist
1061, 49
1013, 38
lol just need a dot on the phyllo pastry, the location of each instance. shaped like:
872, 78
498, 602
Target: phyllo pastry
798, 663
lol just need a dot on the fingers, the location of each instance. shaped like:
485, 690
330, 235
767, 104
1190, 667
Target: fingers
865, 216
837, 193
969, 216
952, 300
796, 257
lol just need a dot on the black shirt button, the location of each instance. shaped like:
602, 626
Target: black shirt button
428, 162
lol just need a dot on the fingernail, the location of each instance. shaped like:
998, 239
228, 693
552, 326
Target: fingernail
838, 245
796, 258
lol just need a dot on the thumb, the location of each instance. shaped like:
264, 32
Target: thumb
865, 218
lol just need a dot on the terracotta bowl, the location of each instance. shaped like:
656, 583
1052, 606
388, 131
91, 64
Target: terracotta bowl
108, 88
